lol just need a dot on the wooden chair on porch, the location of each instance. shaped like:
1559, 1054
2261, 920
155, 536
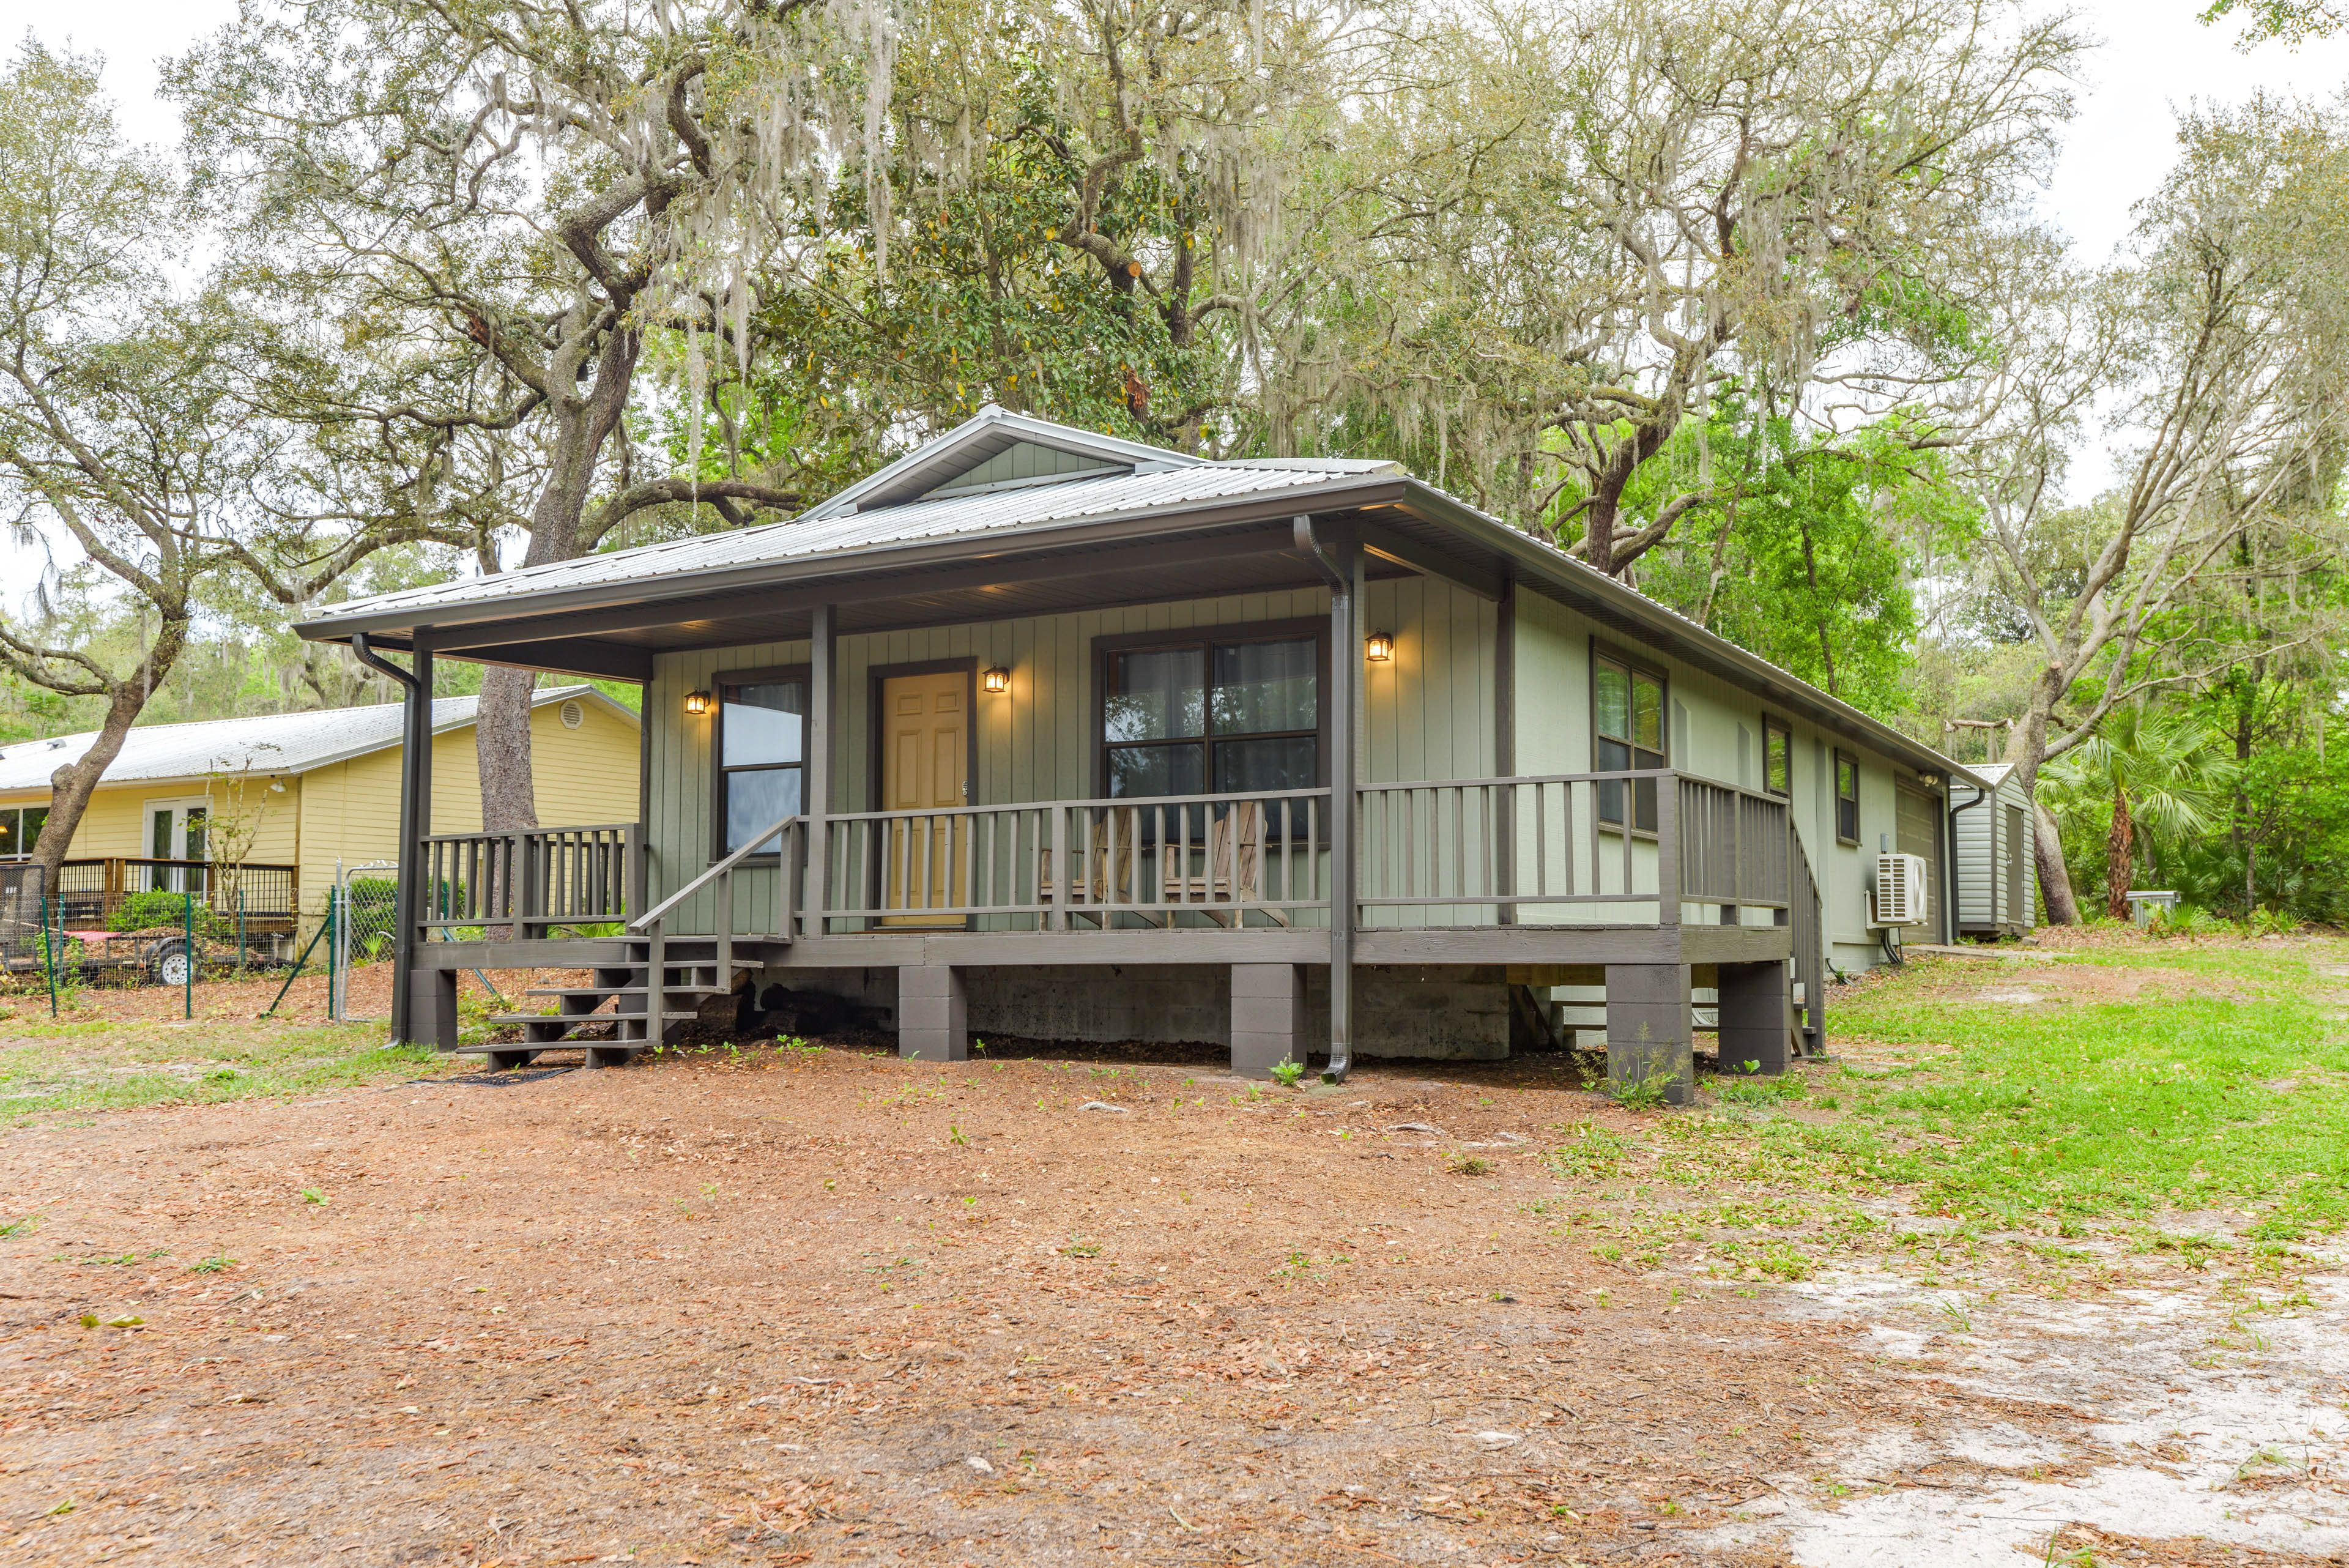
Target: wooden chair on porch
1112, 872
1234, 873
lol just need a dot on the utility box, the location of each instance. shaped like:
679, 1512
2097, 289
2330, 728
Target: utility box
1900, 890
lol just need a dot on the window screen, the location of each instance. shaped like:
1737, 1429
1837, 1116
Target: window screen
1629, 724
761, 734
1847, 798
1777, 758
1213, 718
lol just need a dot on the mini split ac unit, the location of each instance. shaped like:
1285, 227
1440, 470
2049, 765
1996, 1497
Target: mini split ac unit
1899, 891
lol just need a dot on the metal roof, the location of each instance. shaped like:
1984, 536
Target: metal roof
264, 743
1074, 501
861, 542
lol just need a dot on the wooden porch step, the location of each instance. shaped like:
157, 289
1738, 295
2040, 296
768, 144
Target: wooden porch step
574, 1020
636, 989
599, 1052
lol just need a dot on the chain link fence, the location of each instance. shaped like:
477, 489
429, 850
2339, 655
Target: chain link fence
121, 921
364, 928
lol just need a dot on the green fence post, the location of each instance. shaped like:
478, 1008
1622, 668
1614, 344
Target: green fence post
243, 953
48, 956
188, 952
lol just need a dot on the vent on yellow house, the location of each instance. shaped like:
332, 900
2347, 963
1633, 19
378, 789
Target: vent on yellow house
572, 715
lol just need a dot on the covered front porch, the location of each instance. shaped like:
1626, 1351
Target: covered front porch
1375, 829
1526, 882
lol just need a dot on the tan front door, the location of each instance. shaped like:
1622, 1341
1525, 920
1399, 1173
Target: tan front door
925, 766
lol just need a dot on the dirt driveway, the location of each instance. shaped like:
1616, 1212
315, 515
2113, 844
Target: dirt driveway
824, 1307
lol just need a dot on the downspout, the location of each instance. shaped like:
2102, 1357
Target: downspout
404, 896
1344, 670
1956, 861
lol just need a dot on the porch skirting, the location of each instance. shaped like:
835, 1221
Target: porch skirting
1452, 1015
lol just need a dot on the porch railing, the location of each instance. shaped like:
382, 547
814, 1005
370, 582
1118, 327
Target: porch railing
1238, 859
1460, 853
532, 880
1480, 852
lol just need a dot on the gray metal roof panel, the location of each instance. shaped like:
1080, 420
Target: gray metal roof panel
1003, 512
835, 530
264, 744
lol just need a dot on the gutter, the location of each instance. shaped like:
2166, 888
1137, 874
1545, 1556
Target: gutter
406, 892
1344, 635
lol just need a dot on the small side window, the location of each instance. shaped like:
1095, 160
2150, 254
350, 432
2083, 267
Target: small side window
1777, 757
1847, 798
1628, 714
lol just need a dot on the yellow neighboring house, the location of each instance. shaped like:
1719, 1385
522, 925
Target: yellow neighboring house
306, 790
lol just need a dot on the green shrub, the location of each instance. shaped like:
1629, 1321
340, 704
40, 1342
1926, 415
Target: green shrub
373, 918
157, 908
2186, 920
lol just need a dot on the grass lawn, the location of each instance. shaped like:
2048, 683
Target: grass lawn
2117, 1086
1056, 1306
2214, 1076
50, 1069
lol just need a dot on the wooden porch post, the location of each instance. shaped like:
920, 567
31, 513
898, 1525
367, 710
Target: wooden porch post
423, 1006
1345, 697
816, 794
1504, 745
637, 896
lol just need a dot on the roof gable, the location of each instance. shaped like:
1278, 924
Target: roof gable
997, 449
1023, 463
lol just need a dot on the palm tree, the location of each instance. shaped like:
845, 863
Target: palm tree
2156, 774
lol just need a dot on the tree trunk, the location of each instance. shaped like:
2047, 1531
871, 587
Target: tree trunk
582, 425
2055, 877
71, 785
502, 748
2026, 748
2120, 857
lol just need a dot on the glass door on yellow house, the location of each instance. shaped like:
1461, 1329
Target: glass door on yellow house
925, 766
175, 831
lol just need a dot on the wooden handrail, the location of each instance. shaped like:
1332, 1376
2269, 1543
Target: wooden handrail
756, 846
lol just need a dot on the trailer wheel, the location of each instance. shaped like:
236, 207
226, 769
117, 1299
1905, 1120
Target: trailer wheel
167, 963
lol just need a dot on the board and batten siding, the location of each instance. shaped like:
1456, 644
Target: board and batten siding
1428, 713
1713, 730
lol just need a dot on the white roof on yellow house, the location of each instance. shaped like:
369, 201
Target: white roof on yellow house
264, 744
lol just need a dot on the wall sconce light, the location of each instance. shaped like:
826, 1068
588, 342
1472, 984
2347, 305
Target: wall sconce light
994, 678
696, 703
1379, 648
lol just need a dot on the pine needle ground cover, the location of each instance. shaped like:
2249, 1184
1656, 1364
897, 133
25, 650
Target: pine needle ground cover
802, 1304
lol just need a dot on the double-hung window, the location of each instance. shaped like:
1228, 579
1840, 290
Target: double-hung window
761, 739
1846, 797
1629, 725
1777, 757
1212, 716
